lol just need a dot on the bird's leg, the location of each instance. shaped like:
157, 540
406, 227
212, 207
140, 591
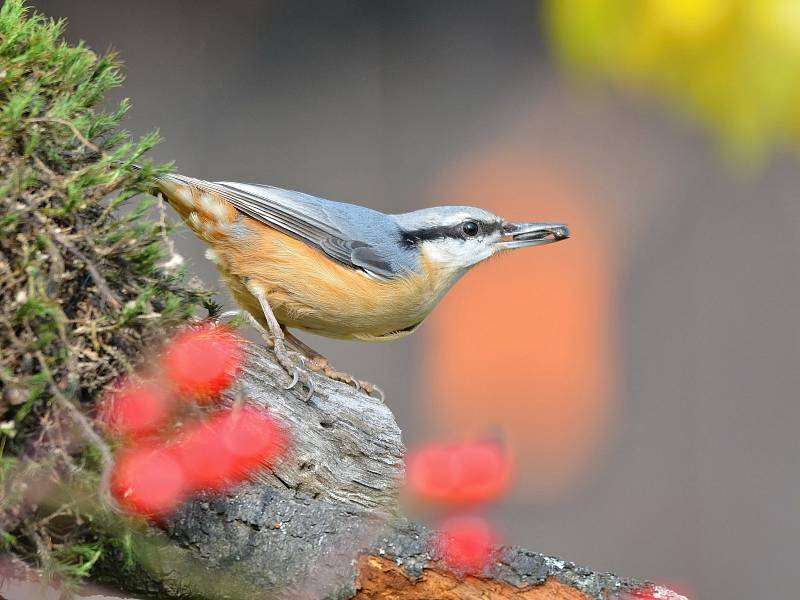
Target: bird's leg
319, 364
243, 314
284, 357
300, 345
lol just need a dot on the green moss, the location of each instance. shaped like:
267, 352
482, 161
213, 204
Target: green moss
83, 292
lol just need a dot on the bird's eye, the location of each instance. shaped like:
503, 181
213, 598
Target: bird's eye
470, 228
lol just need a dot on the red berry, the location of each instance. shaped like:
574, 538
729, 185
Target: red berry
204, 459
655, 592
203, 361
429, 473
485, 472
252, 437
466, 473
466, 543
136, 409
223, 449
148, 481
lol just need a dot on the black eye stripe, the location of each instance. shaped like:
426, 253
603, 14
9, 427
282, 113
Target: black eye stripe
413, 237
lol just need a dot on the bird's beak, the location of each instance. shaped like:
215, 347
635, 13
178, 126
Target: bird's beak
522, 235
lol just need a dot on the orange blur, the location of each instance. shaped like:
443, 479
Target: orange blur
524, 342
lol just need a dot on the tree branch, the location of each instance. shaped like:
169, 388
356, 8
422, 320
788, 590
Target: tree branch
324, 524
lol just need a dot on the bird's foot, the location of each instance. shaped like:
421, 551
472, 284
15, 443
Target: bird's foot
294, 364
320, 364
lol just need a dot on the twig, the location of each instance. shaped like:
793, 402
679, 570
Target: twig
106, 457
76, 132
99, 280
50, 173
62, 510
162, 222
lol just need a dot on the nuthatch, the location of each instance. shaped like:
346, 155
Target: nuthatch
339, 270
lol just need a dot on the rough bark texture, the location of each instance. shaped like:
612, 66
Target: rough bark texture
268, 543
346, 445
329, 528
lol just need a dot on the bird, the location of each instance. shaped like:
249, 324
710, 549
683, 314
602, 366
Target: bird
295, 261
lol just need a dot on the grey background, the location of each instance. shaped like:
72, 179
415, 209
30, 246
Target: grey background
370, 100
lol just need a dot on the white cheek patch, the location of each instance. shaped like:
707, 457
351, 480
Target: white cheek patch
454, 254
444, 252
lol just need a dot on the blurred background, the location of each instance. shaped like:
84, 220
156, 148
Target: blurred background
645, 372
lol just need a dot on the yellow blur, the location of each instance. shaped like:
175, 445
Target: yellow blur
733, 66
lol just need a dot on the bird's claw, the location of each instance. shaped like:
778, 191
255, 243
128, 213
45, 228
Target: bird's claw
297, 370
295, 379
311, 390
295, 365
371, 390
381, 395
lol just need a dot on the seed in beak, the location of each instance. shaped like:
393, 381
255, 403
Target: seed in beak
553, 232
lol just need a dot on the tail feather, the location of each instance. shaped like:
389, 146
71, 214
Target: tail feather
207, 214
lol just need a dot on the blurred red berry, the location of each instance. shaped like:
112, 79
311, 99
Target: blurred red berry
466, 543
203, 457
148, 481
226, 447
203, 361
252, 437
136, 409
465, 473
655, 592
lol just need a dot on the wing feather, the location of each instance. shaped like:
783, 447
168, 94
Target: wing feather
303, 217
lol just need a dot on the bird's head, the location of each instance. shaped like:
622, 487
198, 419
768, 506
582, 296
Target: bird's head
456, 238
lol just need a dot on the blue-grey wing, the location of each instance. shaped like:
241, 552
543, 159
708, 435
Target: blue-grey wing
352, 235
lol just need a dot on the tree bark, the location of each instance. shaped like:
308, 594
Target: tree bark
324, 522
346, 446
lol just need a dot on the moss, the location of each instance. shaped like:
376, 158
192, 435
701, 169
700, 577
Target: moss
83, 286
